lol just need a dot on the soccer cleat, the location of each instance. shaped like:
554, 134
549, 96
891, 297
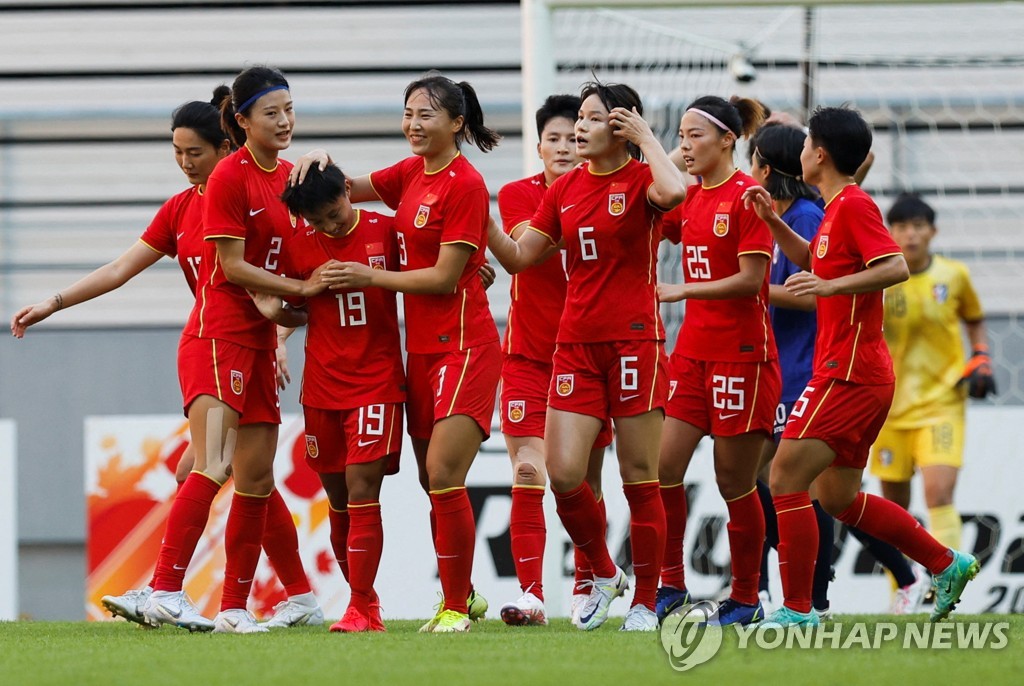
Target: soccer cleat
765, 598
730, 611
174, 607
640, 618
451, 622
129, 605
354, 621
603, 591
907, 600
529, 609
237, 622
575, 605
669, 598
477, 605
376, 623
296, 611
784, 617
949, 583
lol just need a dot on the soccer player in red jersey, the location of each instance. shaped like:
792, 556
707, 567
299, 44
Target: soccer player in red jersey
454, 360
353, 412
227, 370
835, 421
609, 359
176, 231
538, 298
724, 370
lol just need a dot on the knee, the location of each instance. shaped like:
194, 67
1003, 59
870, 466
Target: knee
732, 485
527, 474
835, 504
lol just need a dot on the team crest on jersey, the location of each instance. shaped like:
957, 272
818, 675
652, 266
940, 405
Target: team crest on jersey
616, 204
941, 293
293, 219
377, 262
312, 449
564, 384
422, 215
822, 247
236, 382
516, 410
721, 227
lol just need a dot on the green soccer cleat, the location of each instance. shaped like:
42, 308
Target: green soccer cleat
949, 583
477, 605
784, 617
451, 622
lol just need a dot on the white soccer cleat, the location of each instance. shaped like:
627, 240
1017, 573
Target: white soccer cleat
128, 605
175, 608
603, 591
640, 618
907, 600
528, 610
296, 611
575, 605
237, 622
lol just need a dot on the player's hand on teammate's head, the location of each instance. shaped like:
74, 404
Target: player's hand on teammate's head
487, 274
978, 374
318, 157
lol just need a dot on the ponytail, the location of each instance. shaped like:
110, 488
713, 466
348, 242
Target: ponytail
473, 128
752, 114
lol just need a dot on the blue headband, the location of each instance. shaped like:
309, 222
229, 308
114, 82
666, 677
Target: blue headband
260, 94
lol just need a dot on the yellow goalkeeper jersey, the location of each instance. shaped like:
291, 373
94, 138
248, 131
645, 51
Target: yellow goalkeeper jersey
922, 328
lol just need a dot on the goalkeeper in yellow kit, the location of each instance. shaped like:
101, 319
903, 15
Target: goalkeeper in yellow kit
925, 426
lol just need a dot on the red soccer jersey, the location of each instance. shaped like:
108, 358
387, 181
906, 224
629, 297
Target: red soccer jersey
353, 347
611, 233
538, 293
242, 201
177, 231
449, 206
850, 345
716, 230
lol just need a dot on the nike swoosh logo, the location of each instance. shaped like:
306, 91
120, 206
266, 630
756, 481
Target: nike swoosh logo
446, 557
179, 567
527, 559
624, 398
244, 581
253, 213
641, 564
181, 235
568, 207
723, 417
357, 550
363, 444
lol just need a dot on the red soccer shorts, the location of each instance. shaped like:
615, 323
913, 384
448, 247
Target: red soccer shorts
846, 416
336, 438
724, 398
613, 379
243, 378
441, 385
524, 400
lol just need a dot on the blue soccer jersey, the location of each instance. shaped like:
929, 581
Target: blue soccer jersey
794, 329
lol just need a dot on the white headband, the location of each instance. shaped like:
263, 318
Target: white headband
713, 119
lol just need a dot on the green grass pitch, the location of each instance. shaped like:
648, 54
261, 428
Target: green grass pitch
491, 654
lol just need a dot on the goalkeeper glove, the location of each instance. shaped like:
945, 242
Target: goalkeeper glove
978, 374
